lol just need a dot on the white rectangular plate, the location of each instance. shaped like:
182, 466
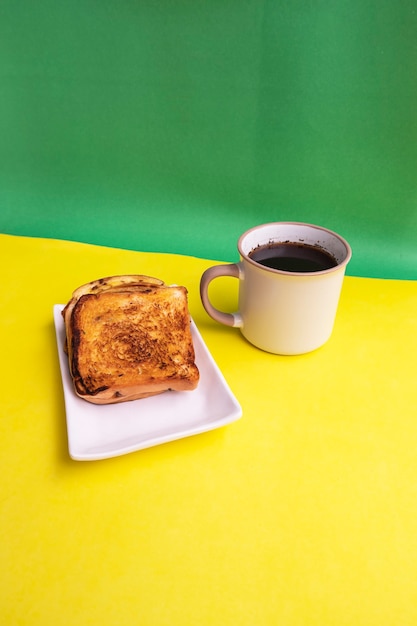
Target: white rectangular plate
103, 431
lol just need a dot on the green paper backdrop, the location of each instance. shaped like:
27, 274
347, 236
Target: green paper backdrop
175, 125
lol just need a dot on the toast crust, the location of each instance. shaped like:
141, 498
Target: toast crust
129, 338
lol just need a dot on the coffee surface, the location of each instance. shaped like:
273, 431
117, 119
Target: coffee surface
293, 257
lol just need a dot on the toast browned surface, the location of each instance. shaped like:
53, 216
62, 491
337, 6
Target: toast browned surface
129, 337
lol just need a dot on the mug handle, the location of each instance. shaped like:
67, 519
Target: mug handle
231, 269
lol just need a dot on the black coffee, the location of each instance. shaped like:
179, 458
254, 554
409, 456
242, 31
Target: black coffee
293, 257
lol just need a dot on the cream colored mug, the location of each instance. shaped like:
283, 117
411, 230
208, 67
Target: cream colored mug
289, 306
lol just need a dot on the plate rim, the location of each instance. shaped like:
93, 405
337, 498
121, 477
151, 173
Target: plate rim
143, 443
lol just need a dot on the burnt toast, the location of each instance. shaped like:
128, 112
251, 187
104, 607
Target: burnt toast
129, 337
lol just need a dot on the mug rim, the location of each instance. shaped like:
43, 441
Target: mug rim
337, 267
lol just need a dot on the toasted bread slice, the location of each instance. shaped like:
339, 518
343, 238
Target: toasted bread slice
129, 337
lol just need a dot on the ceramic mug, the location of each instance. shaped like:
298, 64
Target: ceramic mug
283, 311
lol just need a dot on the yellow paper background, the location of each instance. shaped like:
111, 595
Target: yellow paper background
303, 512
